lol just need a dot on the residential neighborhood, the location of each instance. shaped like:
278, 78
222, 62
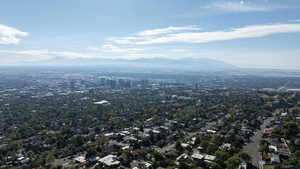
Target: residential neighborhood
166, 125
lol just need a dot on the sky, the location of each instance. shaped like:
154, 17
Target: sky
245, 33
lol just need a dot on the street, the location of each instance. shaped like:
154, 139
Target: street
253, 146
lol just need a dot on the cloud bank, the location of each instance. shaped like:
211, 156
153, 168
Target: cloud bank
10, 35
27, 56
32, 56
110, 48
170, 29
186, 36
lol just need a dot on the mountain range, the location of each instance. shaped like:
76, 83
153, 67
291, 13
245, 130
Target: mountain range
157, 64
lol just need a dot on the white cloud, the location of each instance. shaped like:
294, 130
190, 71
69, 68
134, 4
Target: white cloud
170, 29
117, 49
234, 6
252, 31
149, 34
110, 48
71, 55
92, 48
179, 50
9, 35
20, 56
110, 52
133, 56
45, 56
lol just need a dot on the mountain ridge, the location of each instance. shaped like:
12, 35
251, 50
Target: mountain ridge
164, 64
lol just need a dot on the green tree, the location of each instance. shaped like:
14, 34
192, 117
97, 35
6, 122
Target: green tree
48, 157
222, 156
233, 162
245, 156
78, 140
101, 140
178, 146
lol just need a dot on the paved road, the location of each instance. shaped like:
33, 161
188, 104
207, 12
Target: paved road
253, 146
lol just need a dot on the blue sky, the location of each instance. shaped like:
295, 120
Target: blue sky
246, 33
